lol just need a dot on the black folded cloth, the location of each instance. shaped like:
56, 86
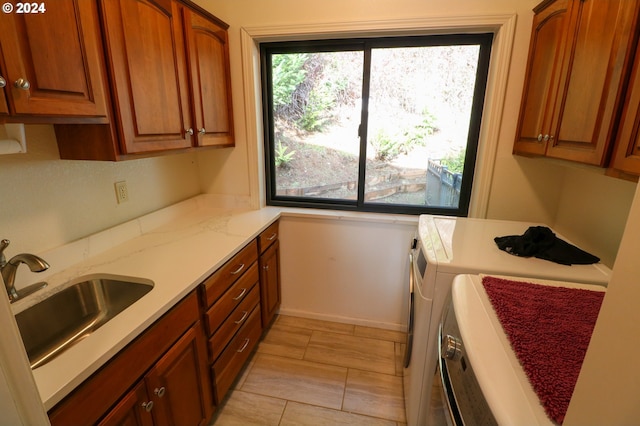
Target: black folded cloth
541, 242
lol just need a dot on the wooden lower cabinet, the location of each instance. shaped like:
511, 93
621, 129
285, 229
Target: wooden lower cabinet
178, 383
269, 261
231, 304
185, 363
230, 362
270, 282
161, 378
131, 410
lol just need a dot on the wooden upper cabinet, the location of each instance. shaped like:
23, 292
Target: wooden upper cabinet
168, 63
52, 63
208, 53
626, 155
570, 108
144, 41
541, 80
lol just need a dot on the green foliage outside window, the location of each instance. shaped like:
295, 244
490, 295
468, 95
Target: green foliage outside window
454, 162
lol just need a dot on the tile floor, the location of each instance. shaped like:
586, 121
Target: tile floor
311, 372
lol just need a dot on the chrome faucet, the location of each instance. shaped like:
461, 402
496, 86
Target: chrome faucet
9, 268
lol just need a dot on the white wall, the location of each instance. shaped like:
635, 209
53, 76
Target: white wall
340, 269
46, 202
593, 210
609, 383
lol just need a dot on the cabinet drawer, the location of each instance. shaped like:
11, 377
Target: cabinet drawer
220, 281
216, 315
268, 236
233, 323
229, 364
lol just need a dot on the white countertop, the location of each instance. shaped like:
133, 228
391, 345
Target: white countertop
176, 248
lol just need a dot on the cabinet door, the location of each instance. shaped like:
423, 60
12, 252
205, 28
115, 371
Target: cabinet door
270, 282
53, 60
146, 55
179, 382
208, 53
591, 87
134, 409
548, 38
4, 108
626, 156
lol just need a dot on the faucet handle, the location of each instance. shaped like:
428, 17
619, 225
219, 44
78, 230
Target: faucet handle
3, 245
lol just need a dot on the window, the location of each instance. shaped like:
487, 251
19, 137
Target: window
382, 125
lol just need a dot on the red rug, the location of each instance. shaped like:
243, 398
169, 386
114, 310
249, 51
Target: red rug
549, 329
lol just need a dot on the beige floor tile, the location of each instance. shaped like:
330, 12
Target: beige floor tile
352, 351
378, 333
284, 340
246, 409
313, 324
374, 394
400, 348
296, 414
297, 380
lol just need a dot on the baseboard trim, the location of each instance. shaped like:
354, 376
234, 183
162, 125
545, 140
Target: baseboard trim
343, 320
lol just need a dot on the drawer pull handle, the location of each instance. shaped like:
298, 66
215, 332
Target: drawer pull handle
148, 406
241, 295
273, 237
159, 391
237, 271
246, 343
245, 314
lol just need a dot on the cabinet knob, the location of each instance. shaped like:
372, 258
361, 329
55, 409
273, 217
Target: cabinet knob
3, 82
546, 138
22, 84
266, 267
159, 392
540, 137
148, 406
189, 131
202, 131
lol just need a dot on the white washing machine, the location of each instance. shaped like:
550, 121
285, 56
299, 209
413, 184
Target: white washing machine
449, 246
496, 388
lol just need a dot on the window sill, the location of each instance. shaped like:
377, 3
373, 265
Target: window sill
349, 216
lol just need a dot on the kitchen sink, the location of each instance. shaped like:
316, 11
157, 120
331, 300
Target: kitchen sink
58, 322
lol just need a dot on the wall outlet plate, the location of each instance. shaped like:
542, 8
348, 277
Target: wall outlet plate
122, 194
